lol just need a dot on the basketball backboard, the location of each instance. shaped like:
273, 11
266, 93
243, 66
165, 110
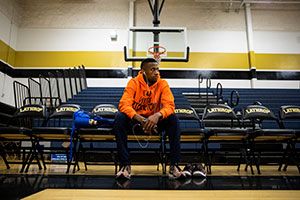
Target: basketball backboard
169, 42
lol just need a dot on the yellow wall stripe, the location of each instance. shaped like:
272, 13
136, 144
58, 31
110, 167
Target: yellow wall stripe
278, 61
212, 61
69, 59
7, 54
197, 60
115, 59
205, 60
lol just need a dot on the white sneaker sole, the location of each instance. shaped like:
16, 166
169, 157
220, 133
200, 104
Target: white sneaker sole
199, 174
187, 173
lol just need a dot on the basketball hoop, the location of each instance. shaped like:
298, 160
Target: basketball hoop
157, 51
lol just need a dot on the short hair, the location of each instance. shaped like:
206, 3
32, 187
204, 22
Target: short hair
147, 60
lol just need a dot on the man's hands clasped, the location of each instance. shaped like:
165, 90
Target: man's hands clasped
149, 124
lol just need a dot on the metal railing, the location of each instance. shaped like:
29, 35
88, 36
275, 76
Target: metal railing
200, 80
232, 104
61, 85
208, 85
21, 94
51, 91
83, 77
35, 91
219, 92
69, 88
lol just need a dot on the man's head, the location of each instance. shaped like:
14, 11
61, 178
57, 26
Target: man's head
150, 69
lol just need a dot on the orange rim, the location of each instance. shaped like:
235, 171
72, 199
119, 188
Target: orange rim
157, 53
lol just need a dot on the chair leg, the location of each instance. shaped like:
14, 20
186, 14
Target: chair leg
210, 159
160, 159
69, 160
293, 156
25, 159
206, 156
76, 154
163, 156
42, 155
36, 155
289, 157
255, 162
83, 155
284, 156
28, 165
248, 148
116, 167
297, 160
3, 154
240, 161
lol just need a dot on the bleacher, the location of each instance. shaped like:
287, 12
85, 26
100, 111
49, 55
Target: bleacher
69, 87
271, 98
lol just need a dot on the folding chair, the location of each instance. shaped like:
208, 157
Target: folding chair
25, 118
57, 128
258, 113
190, 129
287, 113
102, 134
233, 135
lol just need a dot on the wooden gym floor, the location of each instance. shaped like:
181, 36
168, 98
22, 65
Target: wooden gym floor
98, 182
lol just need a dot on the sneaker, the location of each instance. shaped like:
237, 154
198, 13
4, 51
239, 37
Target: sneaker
175, 172
124, 173
188, 170
199, 170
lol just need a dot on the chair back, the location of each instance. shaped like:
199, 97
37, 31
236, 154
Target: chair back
289, 112
105, 110
27, 114
65, 111
218, 112
258, 112
186, 113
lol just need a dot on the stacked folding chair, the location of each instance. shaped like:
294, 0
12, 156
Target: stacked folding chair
258, 113
287, 113
57, 128
233, 135
194, 133
98, 134
19, 128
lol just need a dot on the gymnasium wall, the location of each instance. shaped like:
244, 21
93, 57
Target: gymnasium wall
53, 34
45, 35
8, 45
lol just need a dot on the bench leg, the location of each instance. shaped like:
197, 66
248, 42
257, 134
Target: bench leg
3, 154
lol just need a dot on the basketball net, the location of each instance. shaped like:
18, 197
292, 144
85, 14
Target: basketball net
157, 58
154, 50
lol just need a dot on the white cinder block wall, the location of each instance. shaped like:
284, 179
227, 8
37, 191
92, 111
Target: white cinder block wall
8, 34
42, 25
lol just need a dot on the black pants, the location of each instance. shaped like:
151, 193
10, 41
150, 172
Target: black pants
123, 125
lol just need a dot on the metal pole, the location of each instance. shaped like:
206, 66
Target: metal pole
250, 43
156, 23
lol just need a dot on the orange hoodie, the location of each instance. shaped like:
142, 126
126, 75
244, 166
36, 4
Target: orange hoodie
139, 98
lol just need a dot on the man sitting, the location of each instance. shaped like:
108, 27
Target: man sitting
141, 103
